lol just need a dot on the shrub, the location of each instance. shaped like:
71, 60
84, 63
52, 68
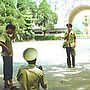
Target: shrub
47, 37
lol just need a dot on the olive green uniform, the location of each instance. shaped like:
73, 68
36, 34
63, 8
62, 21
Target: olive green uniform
7, 58
8, 42
30, 77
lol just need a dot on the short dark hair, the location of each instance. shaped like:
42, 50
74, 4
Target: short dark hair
10, 26
69, 25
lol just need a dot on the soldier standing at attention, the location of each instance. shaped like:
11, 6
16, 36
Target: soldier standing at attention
70, 38
31, 76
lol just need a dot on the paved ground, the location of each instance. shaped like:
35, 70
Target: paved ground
53, 58
51, 52
2, 88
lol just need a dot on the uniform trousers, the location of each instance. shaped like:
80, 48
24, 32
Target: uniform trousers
70, 55
7, 67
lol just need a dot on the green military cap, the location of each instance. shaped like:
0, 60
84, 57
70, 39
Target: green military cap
30, 54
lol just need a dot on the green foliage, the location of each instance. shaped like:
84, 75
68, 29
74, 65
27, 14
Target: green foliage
23, 5
33, 7
48, 37
46, 17
2, 28
2, 9
9, 13
2, 20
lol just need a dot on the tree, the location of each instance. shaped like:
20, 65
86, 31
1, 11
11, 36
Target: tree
46, 17
32, 6
27, 8
9, 14
23, 5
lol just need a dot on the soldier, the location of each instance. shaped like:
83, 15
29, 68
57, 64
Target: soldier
70, 38
7, 53
30, 77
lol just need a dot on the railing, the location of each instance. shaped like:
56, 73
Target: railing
54, 31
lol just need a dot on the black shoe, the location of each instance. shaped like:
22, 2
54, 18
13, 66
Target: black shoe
6, 85
73, 66
69, 66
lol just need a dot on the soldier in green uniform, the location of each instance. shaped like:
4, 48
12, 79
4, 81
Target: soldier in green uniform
70, 38
7, 54
31, 76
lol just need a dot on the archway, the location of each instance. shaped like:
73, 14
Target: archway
77, 10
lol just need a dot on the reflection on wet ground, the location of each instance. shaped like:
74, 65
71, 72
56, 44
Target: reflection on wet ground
62, 78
